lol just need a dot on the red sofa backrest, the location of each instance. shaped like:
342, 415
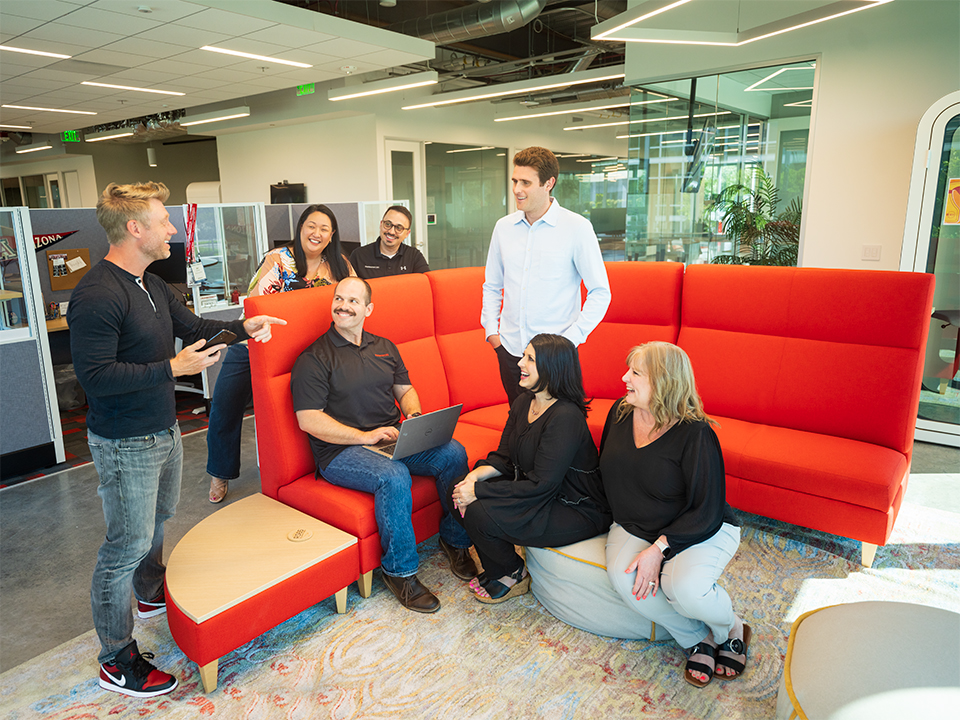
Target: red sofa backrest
403, 312
645, 306
281, 445
470, 363
837, 352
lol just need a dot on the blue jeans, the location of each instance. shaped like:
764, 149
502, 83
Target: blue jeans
231, 395
139, 489
389, 483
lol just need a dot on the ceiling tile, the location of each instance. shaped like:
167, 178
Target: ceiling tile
146, 75
343, 48
289, 36
14, 25
146, 48
232, 23
182, 34
47, 79
226, 75
47, 10
206, 59
390, 58
91, 18
107, 57
62, 33
164, 11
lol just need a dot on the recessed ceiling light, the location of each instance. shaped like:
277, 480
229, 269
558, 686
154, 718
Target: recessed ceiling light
34, 52
27, 107
130, 87
251, 56
107, 135
17, 127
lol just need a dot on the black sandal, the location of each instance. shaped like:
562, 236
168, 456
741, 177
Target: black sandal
733, 646
701, 648
499, 592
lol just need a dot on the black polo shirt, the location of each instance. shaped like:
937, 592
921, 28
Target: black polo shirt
369, 262
353, 385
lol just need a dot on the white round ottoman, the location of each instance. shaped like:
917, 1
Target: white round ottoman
872, 660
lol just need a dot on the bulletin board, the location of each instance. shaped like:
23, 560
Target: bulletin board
67, 266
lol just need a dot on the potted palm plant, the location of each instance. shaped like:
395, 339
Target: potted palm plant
760, 237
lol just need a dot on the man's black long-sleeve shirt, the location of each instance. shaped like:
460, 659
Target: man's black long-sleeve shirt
122, 341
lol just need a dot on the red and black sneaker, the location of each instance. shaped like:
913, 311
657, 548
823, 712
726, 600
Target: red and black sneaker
131, 674
157, 606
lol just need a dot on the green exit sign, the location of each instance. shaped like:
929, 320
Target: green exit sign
69, 136
307, 89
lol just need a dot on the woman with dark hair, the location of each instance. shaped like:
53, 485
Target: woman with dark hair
314, 259
673, 532
541, 487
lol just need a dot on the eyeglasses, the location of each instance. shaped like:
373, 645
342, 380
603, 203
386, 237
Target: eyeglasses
388, 226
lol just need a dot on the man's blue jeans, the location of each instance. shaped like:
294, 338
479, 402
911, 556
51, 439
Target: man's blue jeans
231, 395
389, 483
140, 489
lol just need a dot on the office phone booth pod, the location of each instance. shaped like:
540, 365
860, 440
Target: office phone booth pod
30, 432
931, 244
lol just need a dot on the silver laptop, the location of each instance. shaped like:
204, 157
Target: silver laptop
420, 433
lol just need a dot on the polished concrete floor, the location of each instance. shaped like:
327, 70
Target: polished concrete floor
51, 528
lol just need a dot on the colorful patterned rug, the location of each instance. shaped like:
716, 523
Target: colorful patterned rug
506, 661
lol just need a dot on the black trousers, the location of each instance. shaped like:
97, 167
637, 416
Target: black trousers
495, 547
509, 373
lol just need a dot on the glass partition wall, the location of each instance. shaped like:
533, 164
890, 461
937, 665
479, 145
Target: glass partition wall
690, 139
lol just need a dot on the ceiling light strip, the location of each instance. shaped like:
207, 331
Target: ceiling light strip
33, 148
28, 107
107, 135
524, 86
216, 116
34, 52
251, 56
617, 29
16, 127
404, 82
585, 108
130, 87
473, 149
647, 120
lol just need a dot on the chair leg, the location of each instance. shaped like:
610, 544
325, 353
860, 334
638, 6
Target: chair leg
341, 598
208, 676
365, 584
868, 551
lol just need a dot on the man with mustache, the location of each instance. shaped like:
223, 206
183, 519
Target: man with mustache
537, 259
387, 255
346, 387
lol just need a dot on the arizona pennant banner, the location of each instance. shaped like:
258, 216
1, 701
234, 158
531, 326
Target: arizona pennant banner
41, 242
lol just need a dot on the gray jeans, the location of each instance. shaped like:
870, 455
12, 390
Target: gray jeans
690, 604
139, 489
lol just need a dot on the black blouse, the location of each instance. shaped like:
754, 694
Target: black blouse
675, 486
550, 459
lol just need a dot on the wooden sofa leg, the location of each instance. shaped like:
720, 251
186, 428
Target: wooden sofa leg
341, 598
868, 552
365, 584
208, 676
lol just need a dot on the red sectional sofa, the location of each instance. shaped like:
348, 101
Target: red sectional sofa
814, 376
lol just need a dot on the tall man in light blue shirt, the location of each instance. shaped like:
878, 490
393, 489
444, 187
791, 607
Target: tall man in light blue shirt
537, 259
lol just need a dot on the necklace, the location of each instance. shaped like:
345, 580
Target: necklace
536, 413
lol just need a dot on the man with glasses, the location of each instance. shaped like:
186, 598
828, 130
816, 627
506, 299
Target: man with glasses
387, 255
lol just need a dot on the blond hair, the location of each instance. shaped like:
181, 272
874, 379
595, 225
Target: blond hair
121, 203
673, 390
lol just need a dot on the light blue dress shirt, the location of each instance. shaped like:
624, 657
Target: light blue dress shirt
538, 268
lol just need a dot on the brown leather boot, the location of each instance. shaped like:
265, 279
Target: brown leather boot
461, 562
412, 594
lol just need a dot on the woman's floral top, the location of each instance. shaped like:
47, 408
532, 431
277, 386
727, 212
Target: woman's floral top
279, 274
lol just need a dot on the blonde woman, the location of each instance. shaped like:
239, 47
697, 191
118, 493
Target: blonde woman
673, 532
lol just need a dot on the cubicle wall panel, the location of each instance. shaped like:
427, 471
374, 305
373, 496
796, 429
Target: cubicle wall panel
23, 420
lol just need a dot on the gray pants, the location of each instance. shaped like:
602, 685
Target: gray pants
689, 603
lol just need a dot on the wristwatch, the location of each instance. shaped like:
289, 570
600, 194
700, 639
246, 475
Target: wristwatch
663, 546
416, 414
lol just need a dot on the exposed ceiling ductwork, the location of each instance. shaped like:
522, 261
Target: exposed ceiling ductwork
474, 21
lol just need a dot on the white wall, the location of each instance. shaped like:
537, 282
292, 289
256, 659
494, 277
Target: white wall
336, 159
82, 164
879, 70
